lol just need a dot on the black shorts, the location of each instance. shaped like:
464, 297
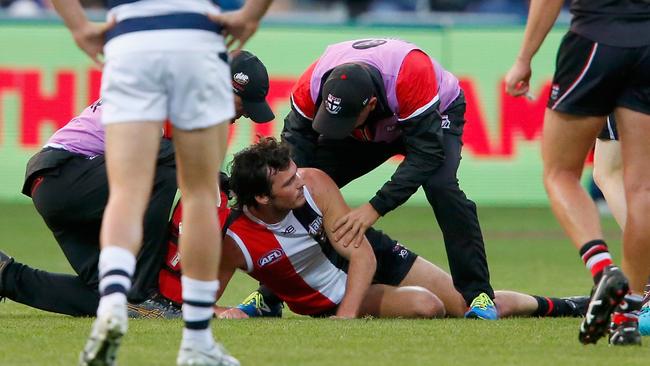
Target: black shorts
609, 132
394, 261
592, 79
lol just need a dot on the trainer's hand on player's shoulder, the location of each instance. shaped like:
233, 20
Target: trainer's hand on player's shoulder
238, 27
230, 313
518, 77
90, 38
351, 228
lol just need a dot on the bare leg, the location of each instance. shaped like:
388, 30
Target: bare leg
565, 143
608, 175
131, 164
635, 142
384, 301
199, 157
426, 274
510, 303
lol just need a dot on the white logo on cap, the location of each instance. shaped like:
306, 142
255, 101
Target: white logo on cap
333, 104
241, 78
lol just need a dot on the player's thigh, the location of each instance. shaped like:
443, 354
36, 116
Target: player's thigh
200, 89
425, 274
131, 150
405, 301
567, 139
199, 155
634, 130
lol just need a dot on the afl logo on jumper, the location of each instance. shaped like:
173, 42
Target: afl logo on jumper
333, 104
368, 43
241, 78
270, 257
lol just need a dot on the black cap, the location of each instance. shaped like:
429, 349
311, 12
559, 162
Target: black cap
250, 81
346, 91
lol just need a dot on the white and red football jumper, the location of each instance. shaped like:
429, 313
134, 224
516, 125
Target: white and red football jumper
169, 278
288, 258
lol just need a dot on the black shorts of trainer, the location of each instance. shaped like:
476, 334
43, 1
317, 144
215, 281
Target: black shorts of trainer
592, 79
394, 262
609, 132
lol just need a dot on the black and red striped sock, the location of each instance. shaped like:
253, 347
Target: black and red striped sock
554, 307
596, 256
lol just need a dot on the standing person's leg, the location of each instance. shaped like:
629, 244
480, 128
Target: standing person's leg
154, 246
199, 157
634, 129
458, 221
200, 106
566, 141
608, 175
131, 149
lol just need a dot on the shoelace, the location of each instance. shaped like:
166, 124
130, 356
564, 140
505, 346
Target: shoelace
482, 302
254, 299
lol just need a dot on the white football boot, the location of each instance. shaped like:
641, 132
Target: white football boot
215, 355
105, 337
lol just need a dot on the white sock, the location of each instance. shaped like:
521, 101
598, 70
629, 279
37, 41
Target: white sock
116, 267
198, 300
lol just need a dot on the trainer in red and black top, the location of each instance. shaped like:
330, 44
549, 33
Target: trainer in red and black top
363, 102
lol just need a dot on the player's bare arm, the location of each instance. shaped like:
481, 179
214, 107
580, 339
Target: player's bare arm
363, 264
240, 25
541, 17
231, 260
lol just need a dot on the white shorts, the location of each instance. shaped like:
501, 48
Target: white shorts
191, 87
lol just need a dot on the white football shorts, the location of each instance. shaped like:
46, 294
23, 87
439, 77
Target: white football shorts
191, 87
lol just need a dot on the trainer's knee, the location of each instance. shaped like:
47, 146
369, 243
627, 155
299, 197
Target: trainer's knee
426, 304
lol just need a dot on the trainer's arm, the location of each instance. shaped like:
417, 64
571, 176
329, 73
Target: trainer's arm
362, 262
424, 154
297, 131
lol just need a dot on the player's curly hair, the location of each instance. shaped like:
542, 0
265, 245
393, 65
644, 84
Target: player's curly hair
252, 168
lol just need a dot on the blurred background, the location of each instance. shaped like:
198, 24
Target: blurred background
45, 80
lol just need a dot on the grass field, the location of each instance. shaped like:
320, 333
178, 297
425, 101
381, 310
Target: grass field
527, 251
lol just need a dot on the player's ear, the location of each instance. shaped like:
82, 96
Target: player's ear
372, 103
262, 200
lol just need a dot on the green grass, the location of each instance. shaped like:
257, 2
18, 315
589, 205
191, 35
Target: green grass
527, 251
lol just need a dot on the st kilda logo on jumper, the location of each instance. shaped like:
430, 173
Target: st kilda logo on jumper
333, 104
270, 257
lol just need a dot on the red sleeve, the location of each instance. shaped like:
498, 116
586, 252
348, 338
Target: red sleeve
417, 86
301, 94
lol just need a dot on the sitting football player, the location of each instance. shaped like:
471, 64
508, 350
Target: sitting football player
280, 233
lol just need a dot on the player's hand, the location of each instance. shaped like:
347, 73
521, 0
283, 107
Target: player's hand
238, 27
230, 313
351, 228
518, 78
90, 38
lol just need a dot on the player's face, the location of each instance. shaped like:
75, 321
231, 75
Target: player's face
286, 188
